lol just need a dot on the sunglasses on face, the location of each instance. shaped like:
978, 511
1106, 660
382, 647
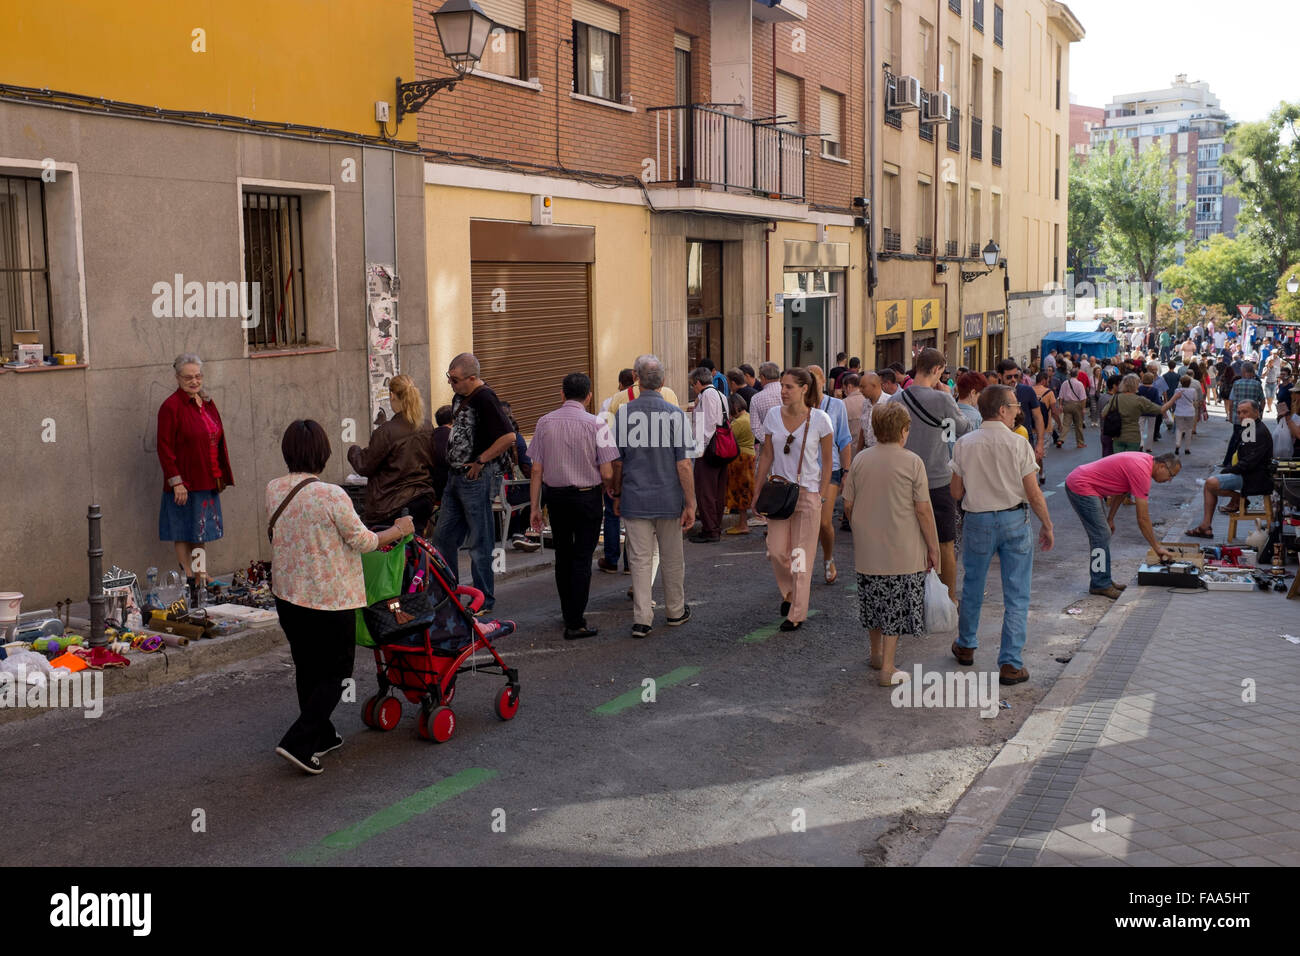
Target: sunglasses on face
453, 380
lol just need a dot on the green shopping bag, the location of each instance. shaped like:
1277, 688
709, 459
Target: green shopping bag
383, 572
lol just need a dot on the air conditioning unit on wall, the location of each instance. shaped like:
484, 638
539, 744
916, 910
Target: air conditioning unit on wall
938, 107
906, 94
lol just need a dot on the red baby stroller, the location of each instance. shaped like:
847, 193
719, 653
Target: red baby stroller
424, 665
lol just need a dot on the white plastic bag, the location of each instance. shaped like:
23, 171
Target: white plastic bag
940, 612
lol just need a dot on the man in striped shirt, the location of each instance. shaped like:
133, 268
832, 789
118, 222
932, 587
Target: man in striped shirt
571, 452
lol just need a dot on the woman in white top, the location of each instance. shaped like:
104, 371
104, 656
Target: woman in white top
799, 438
1286, 433
1186, 397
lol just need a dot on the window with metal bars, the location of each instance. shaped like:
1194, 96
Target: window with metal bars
273, 260
893, 118
24, 263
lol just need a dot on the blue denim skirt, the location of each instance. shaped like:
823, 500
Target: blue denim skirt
198, 520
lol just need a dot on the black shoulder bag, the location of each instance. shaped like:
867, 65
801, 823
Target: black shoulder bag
779, 497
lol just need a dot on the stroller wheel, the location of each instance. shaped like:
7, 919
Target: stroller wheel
368, 713
437, 725
387, 713
507, 702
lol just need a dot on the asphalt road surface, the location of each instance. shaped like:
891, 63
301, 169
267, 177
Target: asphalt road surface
760, 747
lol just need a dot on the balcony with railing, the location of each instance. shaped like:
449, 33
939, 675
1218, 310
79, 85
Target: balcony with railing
997, 145
997, 24
892, 241
976, 138
925, 246
954, 131
952, 248
704, 146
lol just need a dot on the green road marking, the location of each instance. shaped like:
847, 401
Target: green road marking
851, 587
763, 633
422, 801
633, 697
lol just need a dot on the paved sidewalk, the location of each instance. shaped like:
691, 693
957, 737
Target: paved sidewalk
1180, 749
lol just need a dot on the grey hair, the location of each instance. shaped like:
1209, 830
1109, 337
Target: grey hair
1247, 368
769, 372
649, 371
702, 375
1129, 383
186, 358
466, 362
1254, 406
1169, 460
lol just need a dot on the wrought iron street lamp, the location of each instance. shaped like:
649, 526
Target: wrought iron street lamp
990, 253
463, 30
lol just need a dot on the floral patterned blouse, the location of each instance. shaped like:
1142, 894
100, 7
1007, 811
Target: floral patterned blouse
319, 540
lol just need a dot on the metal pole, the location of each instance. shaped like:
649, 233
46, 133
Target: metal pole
96, 555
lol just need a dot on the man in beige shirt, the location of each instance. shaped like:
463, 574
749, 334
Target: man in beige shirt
995, 478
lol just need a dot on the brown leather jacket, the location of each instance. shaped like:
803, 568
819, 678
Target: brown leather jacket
399, 464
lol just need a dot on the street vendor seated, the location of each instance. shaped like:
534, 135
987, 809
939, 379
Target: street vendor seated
1245, 466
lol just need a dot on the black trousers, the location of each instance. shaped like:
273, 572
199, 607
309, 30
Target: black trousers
323, 644
576, 518
710, 495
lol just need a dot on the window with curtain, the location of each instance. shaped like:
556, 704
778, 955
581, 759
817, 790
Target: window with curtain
506, 50
24, 272
596, 50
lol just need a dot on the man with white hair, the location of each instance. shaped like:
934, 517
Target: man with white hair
654, 493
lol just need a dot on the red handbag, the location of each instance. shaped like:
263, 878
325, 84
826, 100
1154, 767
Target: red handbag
722, 448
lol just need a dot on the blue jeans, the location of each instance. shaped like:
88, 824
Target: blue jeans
1092, 512
1008, 535
467, 513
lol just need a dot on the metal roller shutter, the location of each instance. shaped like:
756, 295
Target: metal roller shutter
599, 15
788, 106
508, 13
543, 333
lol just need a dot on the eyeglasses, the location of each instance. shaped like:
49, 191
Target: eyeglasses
190, 378
1010, 404
453, 380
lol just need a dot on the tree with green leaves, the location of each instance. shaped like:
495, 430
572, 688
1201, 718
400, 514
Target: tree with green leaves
1224, 271
1083, 230
1141, 224
1286, 305
1264, 161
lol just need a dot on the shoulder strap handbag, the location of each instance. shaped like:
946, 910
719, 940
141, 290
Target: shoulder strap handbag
723, 448
919, 410
270, 528
779, 497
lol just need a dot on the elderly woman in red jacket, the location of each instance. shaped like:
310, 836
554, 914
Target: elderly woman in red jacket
195, 467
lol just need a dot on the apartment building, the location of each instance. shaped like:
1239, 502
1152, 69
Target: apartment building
971, 121
178, 162
700, 160
1083, 120
1187, 119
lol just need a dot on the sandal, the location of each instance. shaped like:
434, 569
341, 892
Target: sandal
738, 529
1198, 533
831, 573
897, 677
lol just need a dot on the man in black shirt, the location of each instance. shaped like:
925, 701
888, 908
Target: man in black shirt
480, 435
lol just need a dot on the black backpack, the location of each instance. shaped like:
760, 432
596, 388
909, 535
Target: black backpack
1112, 423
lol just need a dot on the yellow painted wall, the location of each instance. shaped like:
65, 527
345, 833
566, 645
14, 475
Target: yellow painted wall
620, 277
314, 62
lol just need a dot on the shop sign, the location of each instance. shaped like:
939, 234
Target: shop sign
891, 316
997, 322
925, 314
972, 325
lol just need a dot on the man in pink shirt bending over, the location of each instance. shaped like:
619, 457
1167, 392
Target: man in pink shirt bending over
1093, 486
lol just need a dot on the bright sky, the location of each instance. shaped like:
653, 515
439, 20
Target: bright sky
1246, 50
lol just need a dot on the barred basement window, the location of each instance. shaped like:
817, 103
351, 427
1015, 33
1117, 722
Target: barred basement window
24, 263
273, 259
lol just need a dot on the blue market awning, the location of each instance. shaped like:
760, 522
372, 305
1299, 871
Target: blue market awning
1100, 344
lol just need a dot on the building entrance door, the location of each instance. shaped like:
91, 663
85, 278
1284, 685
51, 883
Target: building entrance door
704, 304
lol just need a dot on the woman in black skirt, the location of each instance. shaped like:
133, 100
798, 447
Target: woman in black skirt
895, 541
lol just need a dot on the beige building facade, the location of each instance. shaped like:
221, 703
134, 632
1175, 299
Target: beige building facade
967, 137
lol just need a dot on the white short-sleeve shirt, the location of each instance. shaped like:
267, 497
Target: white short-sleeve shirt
786, 464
